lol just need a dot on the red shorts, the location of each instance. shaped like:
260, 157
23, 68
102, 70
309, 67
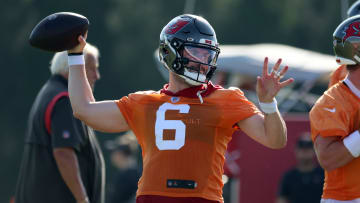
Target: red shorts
163, 199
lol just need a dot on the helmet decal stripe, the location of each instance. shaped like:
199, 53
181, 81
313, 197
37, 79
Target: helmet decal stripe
174, 28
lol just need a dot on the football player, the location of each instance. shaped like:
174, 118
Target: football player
340, 73
184, 128
335, 121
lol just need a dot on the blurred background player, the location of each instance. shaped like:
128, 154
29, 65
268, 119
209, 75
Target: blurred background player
340, 73
184, 128
304, 182
124, 157
62, 161
335, 121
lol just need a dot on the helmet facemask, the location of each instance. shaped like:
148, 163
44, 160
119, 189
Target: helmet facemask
196, 63
199, 63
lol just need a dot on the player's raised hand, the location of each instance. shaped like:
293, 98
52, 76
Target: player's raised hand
80, 47
268, 84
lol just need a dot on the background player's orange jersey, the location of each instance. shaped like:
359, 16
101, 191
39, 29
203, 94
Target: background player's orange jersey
337, 113
338, 75
184, 141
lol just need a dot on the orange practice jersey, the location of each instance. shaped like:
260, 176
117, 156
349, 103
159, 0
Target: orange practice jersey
338, 75
337, 113
183, 141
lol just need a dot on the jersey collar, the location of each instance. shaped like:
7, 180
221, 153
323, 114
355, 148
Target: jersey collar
191, 92
352, 87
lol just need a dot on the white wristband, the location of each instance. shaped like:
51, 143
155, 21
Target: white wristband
352, 143
269, 107
76, 60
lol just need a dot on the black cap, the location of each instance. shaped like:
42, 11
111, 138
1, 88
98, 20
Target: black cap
125, 143
304, 144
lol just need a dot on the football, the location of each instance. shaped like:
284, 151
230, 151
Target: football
59, 31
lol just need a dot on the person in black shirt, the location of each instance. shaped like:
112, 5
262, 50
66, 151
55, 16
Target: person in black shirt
304, 182
62, 161
124, 157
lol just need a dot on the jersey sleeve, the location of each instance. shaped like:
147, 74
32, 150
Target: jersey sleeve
238, 107
328, 119
64, 127
338, 75
125, 106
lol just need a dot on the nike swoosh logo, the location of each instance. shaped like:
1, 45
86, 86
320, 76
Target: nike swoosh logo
331, 110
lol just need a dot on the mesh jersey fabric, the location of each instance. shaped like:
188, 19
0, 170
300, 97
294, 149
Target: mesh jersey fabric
184, 139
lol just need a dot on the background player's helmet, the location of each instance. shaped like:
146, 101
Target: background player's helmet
347, 41
354, 9
180, 42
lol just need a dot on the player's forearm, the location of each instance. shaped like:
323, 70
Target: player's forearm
79, 90
69, 169
275, 129
331, 153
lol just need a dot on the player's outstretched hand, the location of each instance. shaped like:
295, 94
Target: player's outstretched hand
80, 47
268, 85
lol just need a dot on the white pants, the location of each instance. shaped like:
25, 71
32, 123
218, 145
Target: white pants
339, 201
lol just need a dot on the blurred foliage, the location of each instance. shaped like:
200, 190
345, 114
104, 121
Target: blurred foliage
127, 33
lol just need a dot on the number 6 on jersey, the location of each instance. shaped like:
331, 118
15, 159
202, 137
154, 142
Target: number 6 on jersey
161, 124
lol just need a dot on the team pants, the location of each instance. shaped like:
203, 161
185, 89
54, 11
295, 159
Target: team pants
163, 199
339, 201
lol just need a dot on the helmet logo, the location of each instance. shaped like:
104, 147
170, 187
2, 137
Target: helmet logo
353, 30
207, 41
175, 27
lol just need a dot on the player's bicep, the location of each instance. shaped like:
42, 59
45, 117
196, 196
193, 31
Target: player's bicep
254, 128
105, 116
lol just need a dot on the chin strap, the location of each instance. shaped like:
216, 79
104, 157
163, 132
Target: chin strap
199, 95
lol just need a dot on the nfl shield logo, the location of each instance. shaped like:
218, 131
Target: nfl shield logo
175, 99
66, 134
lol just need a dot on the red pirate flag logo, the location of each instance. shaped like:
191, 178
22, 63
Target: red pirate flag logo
353, 30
